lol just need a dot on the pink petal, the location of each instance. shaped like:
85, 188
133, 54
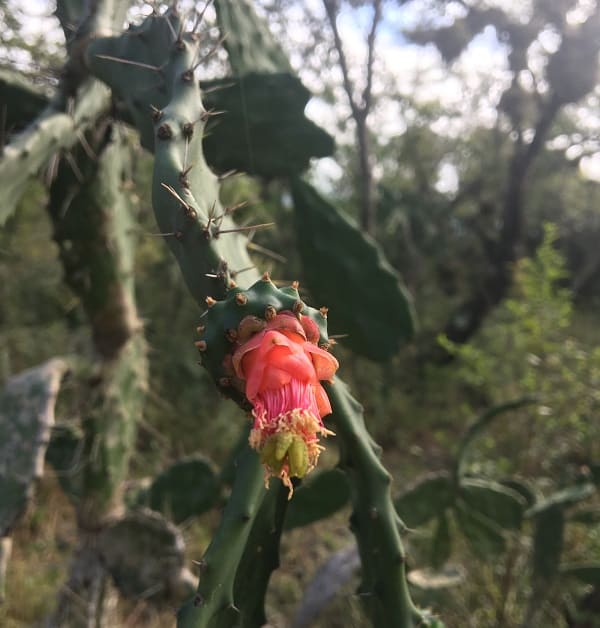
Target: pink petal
325, 364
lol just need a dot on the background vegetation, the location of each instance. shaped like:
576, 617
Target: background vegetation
486, 206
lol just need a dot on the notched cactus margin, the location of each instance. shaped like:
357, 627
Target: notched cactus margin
214, 604
345, 266
376, 525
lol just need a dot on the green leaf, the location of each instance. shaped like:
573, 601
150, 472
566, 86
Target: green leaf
425, 500
442, 542
548, 538
482, 423
318, 497
494, 501
186, 489
483, 535
563, 498
347, 271
588, 573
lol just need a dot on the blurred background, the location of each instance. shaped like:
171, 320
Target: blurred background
467, 149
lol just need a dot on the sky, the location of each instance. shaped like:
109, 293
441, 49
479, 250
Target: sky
470, 88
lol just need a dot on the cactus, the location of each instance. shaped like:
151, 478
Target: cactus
26, 417
368, 302
186, 204
90, 220
249, 43
92, 228
144, 554
187, 488
262, 129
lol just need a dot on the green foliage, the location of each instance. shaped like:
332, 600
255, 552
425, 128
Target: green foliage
548, 362
346, 270
319, 496
426, 499
186, 489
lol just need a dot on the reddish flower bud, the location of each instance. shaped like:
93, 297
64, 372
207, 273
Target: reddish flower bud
282, 367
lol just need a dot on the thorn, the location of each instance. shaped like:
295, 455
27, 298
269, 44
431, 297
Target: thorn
338, 336
248, 228
261, 249
168, 21
201, 329
226, 175
188, 76
178, 235
231, 335
218, 88
201, 345
205, 115
210, 301
200, 15
298, 307
74, 167
295, 285
183, 179
146, 66
212, 51
86, 147
241, 298
231, 285
332, 342
324, 346
323, 311
266, 277
157, 114
270, 313
235, 273
173, 193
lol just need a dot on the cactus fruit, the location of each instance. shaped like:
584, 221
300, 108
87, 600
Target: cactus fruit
265, 346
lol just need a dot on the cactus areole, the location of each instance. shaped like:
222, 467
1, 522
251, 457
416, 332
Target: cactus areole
268, 350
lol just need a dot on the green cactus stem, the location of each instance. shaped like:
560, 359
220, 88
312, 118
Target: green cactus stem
52, 131
92, 228
214, 603
374, 521
368, 301
79, 102
260, 558
249, 43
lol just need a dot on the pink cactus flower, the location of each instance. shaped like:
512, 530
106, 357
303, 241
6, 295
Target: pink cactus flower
282, 367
